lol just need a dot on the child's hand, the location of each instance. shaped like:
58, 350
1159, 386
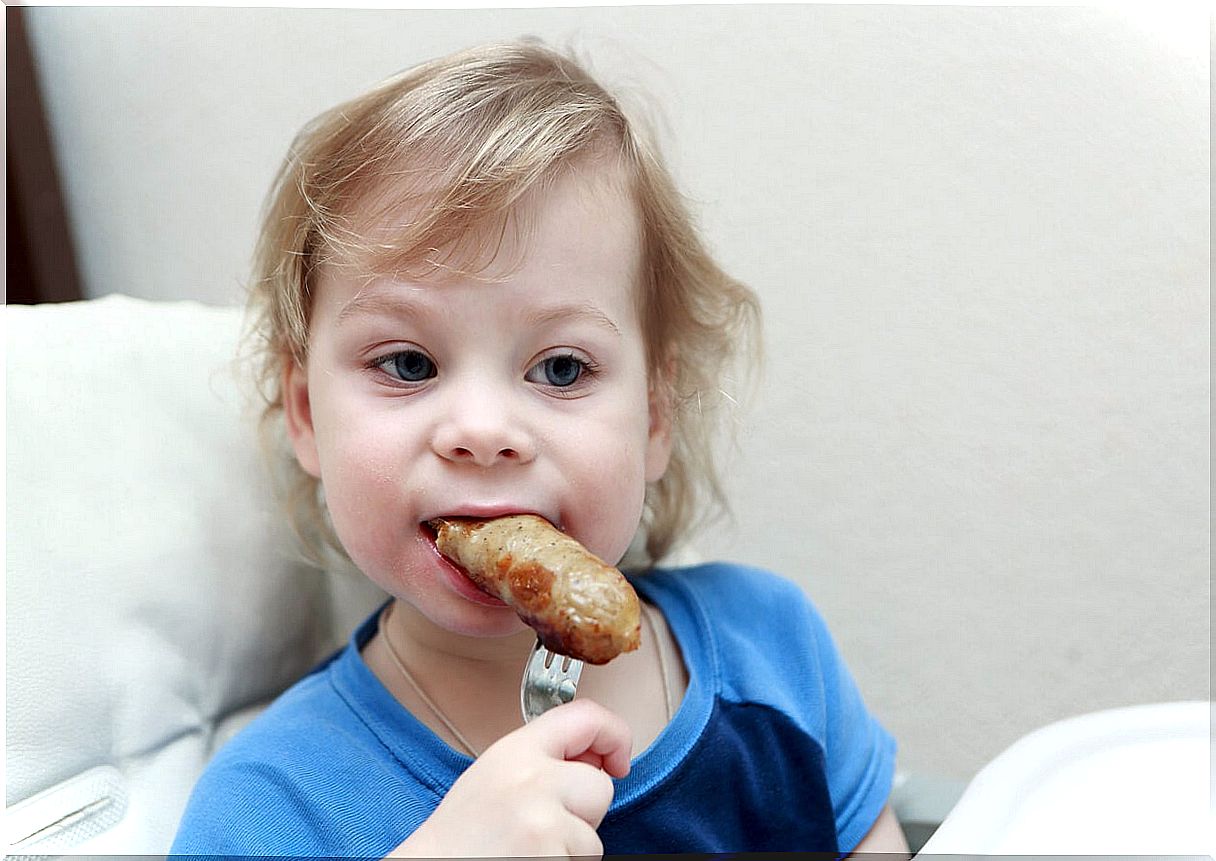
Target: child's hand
541, 790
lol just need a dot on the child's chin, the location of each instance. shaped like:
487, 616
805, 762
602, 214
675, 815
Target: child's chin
488, 623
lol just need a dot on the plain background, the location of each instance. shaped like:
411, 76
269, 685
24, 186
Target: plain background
981, 238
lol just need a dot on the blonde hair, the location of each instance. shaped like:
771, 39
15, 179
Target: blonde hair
458, 143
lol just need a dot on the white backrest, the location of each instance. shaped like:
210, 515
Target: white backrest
154, 601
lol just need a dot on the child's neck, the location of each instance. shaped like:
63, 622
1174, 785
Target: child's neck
428, 645
465, 689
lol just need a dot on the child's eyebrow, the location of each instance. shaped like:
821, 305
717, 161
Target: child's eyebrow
377, 303
577, 312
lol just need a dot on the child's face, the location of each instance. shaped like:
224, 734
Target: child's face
528, 395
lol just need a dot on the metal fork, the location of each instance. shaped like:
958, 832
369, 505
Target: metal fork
549, 680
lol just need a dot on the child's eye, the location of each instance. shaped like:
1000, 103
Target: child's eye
560, 371
409, 366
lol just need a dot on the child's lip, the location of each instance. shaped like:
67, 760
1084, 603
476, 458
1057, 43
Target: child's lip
459, 577
487, 512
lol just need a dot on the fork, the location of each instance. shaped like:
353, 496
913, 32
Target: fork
549, 680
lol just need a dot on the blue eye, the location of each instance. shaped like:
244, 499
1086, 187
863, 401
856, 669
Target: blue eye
562, 370
410, 366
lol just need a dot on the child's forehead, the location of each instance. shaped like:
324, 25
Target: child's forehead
405, 190
409, 224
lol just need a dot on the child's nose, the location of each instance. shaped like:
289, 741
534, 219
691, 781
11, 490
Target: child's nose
483, 431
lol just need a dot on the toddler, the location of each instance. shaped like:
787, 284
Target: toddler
479, 293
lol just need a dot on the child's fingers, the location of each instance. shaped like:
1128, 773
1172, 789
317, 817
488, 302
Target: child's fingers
540, 790
581, 728
586, 792
583, 842
588, 758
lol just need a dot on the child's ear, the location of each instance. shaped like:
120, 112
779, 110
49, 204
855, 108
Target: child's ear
662, 413
297, 413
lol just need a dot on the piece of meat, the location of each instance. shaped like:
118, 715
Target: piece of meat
578, 605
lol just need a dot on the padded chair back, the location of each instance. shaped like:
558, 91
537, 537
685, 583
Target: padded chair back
155, 603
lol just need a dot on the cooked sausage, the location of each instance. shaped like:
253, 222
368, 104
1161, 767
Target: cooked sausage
578, 605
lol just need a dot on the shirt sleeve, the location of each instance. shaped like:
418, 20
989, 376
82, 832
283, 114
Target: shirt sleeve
860, 753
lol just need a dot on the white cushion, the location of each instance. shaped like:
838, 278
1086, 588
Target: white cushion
154, 602
1119, 782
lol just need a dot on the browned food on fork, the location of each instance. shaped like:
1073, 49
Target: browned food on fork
579, 605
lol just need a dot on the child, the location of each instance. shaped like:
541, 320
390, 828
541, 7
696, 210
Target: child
480, 294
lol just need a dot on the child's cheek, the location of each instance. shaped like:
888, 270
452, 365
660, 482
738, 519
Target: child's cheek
608, 494
361, 493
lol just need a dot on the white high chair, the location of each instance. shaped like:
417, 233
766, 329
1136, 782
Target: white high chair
1119, 782
153, 602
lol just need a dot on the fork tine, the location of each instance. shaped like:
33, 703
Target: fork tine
568, 668
547, 682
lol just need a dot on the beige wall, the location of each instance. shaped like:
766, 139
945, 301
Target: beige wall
981, 238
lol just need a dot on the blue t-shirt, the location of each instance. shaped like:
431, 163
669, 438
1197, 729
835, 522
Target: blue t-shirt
771, 749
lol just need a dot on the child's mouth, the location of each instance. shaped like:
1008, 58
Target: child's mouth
457, 576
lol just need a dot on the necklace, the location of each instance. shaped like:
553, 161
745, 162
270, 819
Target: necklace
382, 628
409, 677
662, 661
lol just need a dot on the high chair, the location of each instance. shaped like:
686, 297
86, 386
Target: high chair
153, 603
